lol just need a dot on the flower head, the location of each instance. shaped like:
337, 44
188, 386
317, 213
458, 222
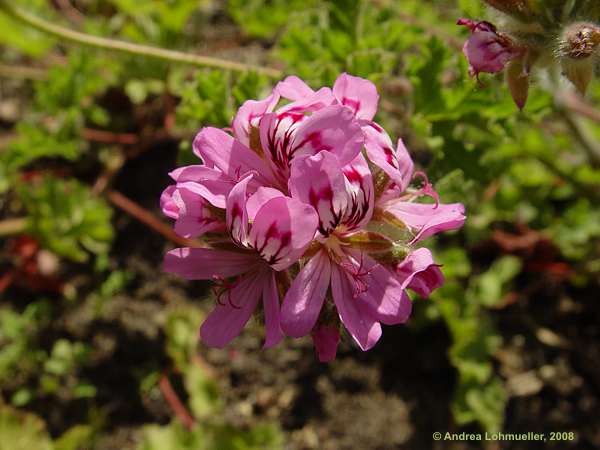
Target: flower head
292, 214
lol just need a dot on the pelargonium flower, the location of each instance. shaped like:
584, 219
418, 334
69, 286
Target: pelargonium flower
280, 232
308, 201
486, 49
365, 292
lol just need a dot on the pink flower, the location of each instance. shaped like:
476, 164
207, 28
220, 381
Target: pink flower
364, 292
291, 192
486, 49
281, 230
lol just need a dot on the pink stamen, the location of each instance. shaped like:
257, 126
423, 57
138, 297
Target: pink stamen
427, 188
222, 287
360, 285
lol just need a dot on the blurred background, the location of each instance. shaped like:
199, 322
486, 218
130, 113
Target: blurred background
99, 349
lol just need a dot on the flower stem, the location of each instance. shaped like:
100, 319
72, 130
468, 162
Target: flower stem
128, 47
10, 227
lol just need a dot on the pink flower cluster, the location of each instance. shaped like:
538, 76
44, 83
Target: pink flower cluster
306, 205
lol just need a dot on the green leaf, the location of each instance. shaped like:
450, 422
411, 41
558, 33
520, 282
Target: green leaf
78, 437
22, 431
67, 218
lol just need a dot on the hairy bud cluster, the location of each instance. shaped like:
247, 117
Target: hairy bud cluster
536, 34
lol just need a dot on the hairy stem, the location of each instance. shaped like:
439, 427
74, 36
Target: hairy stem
128, 47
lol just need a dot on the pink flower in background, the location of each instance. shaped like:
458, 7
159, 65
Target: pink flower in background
486, 49
290, 208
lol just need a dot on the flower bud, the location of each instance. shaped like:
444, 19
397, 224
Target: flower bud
487, 50
517, 78
577, 47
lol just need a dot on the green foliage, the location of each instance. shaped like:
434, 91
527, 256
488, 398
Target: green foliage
263, 18
175, 437
21, 431
67, 218
480, 395
75, 438
26, 40
158, 22
63, 104
19, 353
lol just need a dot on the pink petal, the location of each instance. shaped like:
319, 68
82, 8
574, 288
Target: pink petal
419, 272
363, 327
249, 115
326, 339
277, 131
397, 164
319, 181
228, 319
304, 299
237, 214
273, 333
293, 88
310, 103
259, 198
282, 230
211, 184
383, 294
333, 129
358, 94
361, 193
194, 218
427, 219
167, 204
207, 264
230, 156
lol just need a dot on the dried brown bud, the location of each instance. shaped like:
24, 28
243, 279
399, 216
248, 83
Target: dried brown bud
578, 45
579, 41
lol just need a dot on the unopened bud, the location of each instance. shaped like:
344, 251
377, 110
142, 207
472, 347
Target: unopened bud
517, 77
